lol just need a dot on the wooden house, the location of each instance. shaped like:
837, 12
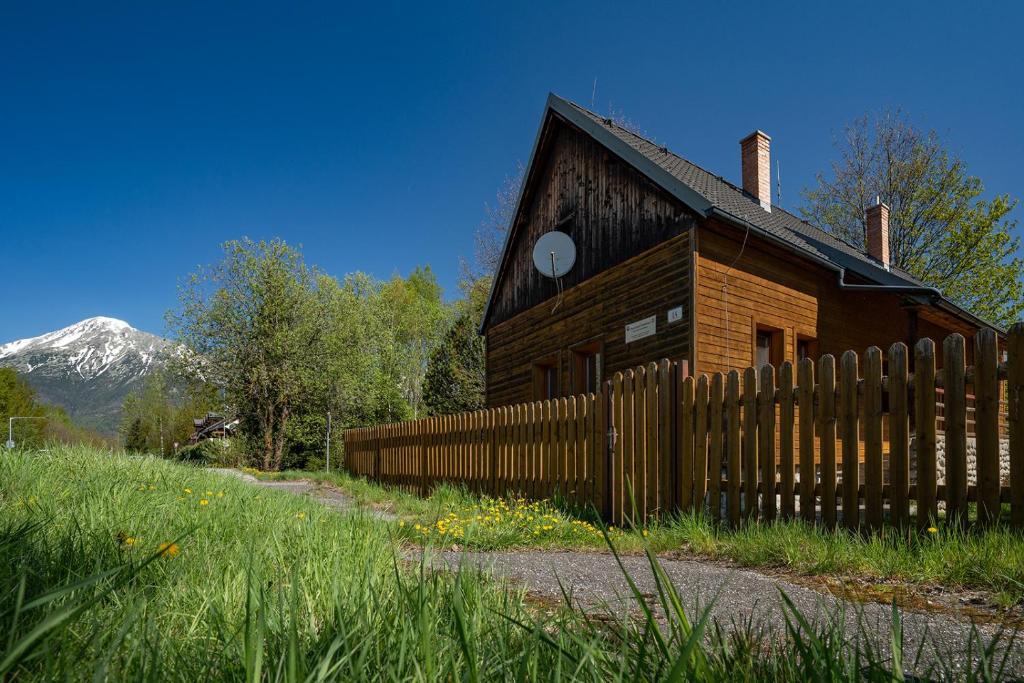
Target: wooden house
673, 261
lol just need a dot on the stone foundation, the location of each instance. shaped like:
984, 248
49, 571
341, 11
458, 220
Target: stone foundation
972, 460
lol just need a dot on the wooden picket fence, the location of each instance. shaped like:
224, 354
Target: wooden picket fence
828, 442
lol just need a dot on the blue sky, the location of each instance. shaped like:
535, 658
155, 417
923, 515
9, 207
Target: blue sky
136, 137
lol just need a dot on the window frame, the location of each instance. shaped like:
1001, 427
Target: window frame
540, 369
777, 341
578, 353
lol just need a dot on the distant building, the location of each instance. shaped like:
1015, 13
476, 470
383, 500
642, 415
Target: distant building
212, 426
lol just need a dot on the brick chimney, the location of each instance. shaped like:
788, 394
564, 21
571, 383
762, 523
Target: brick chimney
876, 232
756, 160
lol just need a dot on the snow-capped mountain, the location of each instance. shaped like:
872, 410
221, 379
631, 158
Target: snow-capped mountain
87, 368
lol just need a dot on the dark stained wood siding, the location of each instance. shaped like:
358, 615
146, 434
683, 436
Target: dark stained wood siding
614, 214
596, 310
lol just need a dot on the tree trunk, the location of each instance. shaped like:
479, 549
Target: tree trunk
279, 440
267, 427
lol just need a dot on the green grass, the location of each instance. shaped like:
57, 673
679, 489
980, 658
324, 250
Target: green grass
265, 585
990, 560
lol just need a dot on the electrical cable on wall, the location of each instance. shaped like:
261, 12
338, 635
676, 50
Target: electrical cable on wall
558, 284
725, 283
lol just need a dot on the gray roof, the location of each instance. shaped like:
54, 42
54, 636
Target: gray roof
724, 196
711, 195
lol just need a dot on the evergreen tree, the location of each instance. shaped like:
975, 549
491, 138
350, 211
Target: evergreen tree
455, 377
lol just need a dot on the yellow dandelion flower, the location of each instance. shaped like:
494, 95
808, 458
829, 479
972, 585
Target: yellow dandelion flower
932, 530
209, 493
152, 488
644, 532
220, 494
203, 501
142, 488
300, 515
189, 491
401, 524
168, 549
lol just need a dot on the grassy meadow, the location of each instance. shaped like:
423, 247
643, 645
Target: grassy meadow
115, 568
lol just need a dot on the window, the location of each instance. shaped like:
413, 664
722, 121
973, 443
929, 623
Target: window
767, 346
545, 379
586, 368
806, 347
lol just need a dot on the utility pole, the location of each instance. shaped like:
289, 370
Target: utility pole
328, 441
10, 428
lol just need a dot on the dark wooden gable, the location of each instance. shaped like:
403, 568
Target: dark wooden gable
611, 211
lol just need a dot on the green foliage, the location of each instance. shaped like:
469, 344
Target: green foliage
415, 318
205, 452
253, 321
287, 345
455, 381
157, 417
18, 399
941, 230
47, 424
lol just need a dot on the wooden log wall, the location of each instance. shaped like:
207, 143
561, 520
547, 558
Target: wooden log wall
740, 447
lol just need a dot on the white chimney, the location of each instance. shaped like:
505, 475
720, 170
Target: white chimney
756, 160
876, 232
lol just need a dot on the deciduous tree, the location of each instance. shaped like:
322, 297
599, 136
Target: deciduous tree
941, 228
253, 326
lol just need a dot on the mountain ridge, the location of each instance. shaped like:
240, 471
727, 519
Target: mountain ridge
88, 367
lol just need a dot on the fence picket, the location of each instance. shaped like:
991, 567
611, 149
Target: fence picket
700, 444
732, 445
581, 446
628, 472
686, 438
873, 476
899, 435
954, 416
787, 475
827, 437
805, 401
652, 448
665, 423
601, 452
766, 441
750, 443
924, 431
618, 473
592, 450
547, 424
986, 421
1014, 389
848, 432
715, 446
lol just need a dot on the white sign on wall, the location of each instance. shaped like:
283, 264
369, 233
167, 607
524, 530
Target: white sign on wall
675, 314
641, 328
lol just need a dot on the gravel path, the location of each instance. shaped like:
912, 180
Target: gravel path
735, 596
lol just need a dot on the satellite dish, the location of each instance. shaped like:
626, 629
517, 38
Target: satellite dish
554, 254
